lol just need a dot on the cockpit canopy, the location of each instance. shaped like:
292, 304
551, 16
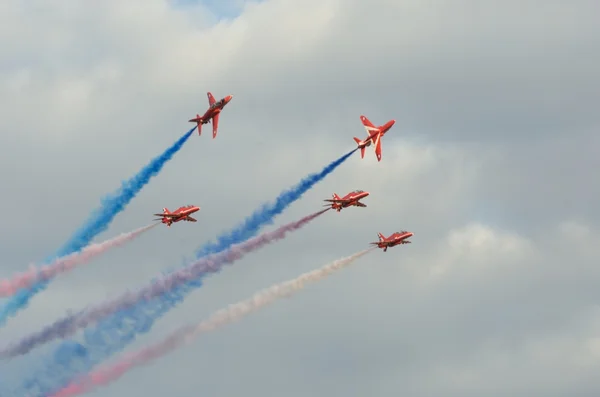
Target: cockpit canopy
218, 103
358, 191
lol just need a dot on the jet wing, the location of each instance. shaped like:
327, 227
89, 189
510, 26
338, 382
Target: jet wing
368, 126
215, 124
360, 204
211, 98
378, 147
336, 200
367, 123
167, 215
190, 219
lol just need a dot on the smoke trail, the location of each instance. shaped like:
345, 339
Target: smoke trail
114, 333
97, 222
265, 215
68, 325
9, 287
185, 335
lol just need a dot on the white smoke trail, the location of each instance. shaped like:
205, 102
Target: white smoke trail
187, 334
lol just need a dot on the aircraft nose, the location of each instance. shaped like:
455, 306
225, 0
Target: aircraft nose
229, 98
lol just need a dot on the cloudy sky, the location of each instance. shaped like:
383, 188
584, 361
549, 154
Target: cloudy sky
491, 164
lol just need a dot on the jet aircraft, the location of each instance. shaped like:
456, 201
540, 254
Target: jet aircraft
213, 113
393, 240
180, 214
374, 136
351, 199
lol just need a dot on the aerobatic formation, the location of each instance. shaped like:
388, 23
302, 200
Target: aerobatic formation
77, 366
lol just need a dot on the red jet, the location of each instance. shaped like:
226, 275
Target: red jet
180, 214
393, 240
349, 200
213, 112
374, 135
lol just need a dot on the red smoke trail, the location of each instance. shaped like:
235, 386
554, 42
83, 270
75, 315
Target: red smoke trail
69, 324
9, 287
184, 335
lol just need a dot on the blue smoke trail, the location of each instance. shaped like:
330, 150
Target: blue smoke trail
114, 333
96, 223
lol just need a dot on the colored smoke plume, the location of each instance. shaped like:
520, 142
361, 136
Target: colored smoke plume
185, 335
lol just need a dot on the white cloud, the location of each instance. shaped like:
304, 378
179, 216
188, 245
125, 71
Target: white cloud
490, 164
475, 247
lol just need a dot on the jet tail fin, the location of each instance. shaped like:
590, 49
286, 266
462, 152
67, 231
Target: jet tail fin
362, 149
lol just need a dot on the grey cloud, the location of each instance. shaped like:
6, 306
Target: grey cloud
495, 106
451, 72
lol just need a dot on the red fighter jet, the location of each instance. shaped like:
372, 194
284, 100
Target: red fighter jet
213, 112
349, 200
180, 214
374, 136
393, 240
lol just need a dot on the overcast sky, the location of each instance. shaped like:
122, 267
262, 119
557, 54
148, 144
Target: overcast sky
492, 164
